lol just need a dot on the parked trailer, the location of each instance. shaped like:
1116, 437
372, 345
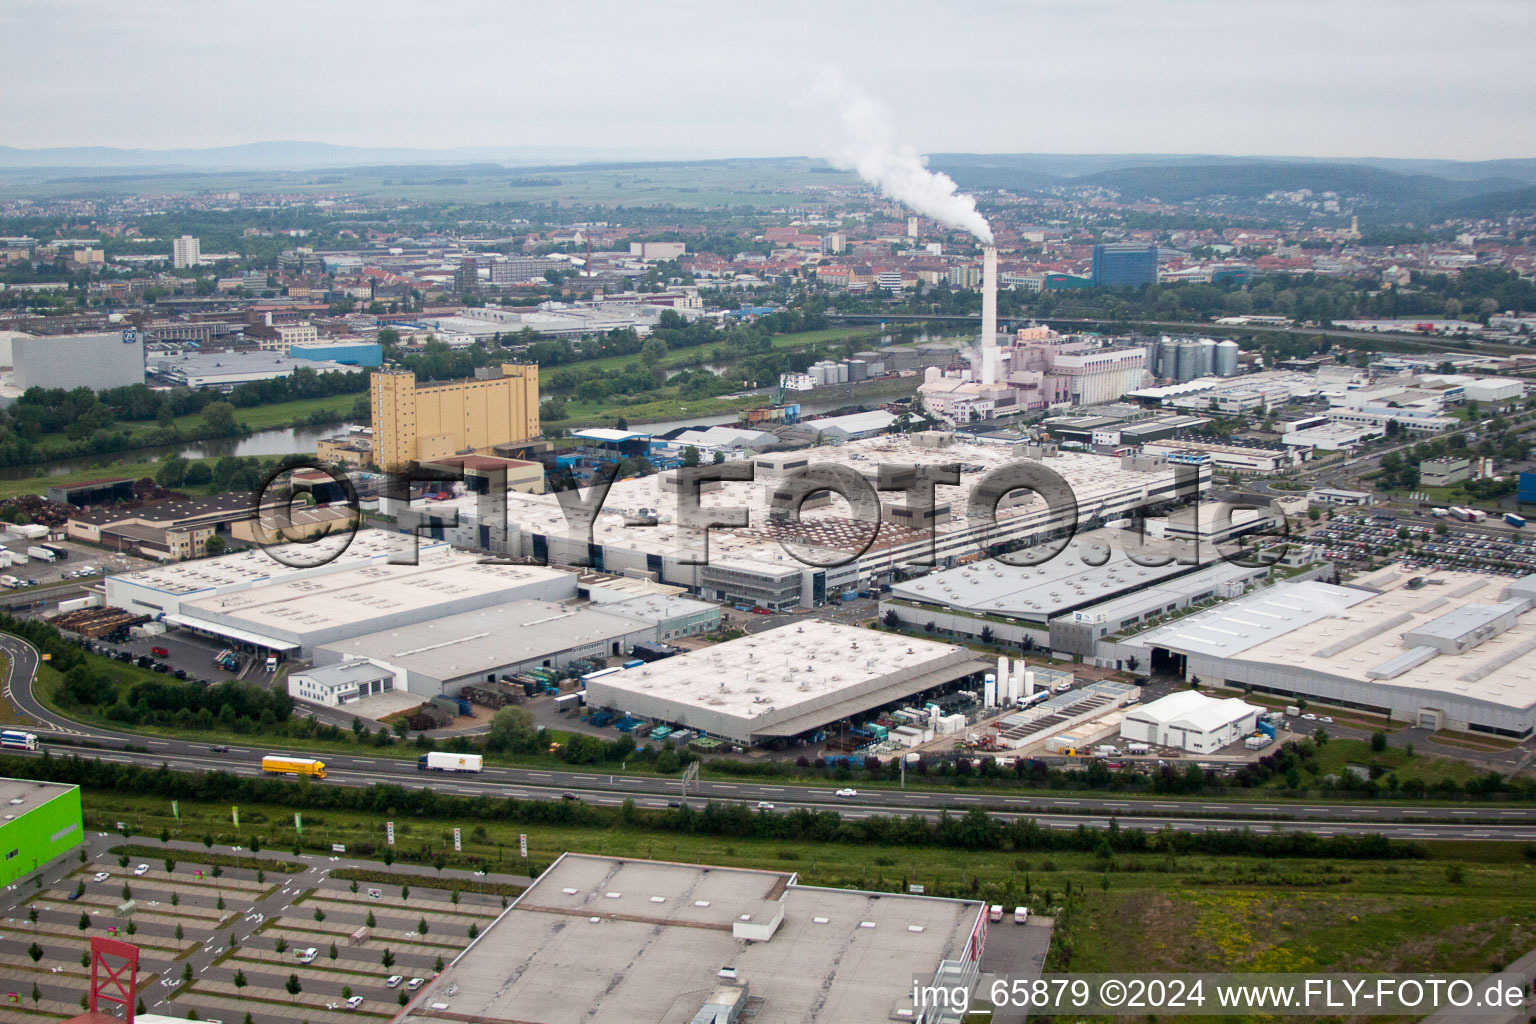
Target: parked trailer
15, 739
438, 761
38, 551
60, 553
567, 701
1514, 520
280, 765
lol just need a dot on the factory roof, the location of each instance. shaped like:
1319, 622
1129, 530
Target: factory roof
1092, 567
1098, 481
357, 595
343, 673
853, 423
610, 939
805, 665
246, 568
605, 434
1151, 598
657, 607
18, 796
488, 639
1455, 620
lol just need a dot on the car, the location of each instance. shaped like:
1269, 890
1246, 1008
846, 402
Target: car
142, 869
160, 652
73, 896
569, 796
847, 792
764, 805
1309, 716
306, 956
674, 803
415, 983
218, 749
761, 611
393, 981
354, 1002
102, 876
1325, 718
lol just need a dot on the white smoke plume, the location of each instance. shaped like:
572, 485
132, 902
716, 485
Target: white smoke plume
896, 169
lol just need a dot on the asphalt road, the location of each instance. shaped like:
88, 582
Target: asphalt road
1204, 814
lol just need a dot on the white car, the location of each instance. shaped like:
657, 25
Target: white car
1309, 716
415, 983
393, 981
847, 792
102, 876
354, 1002
142, 869
764, 805
1325, 718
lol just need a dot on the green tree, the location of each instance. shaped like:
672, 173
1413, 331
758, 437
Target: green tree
1378, 741
85, 921
219, 419
388, 959
239, 979
35, 952
214, 545
293, 986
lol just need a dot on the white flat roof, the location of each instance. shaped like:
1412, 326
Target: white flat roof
1348, 631
779, 669
354, 596
599, 938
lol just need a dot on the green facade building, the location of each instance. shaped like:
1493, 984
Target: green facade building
38, 822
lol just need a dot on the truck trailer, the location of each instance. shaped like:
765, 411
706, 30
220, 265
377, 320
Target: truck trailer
38, 551
439, 761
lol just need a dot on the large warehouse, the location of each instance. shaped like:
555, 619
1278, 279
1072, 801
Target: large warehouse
1444, 650
1189, 720
443, 655
600, 938
42, 822
776, 563
164, 588
298, 615
783, 682
110, 359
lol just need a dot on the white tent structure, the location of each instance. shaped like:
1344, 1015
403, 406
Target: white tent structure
1191, 721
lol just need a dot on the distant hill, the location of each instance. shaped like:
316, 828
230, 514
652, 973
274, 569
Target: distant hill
263, 156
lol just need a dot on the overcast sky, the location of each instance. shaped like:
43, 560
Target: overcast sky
1310, 77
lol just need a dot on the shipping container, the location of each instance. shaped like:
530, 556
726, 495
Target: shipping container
1514, 520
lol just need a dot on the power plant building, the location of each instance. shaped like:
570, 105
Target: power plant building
421, 422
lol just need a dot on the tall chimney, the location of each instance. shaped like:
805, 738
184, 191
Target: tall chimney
989, 315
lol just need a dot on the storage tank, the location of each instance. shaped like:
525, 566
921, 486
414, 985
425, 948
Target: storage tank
841, 370
1207, 357
1226, 358
1189, 360
858, 369
989, 691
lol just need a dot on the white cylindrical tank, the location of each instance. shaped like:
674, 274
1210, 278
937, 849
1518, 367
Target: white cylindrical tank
989, 691
1029, 682
1207, 357
1226, 358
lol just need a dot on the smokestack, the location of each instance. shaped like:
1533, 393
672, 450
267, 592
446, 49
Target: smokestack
989, 315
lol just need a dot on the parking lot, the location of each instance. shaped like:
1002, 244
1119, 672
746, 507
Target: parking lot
1360, 537
78, 558
228, 944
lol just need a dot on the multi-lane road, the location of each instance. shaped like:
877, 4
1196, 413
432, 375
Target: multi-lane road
1395, 819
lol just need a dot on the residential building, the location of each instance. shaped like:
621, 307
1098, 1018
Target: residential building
186, 251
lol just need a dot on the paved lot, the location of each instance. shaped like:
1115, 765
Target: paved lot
1014, 952
240, 936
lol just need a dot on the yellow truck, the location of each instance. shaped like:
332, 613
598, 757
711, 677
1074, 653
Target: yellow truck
279, 765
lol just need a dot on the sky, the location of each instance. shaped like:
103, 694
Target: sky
1327, 78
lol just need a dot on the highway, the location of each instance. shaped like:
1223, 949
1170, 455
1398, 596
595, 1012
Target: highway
1394, 819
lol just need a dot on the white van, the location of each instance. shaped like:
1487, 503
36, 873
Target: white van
305, 956
996, 913
1020, 915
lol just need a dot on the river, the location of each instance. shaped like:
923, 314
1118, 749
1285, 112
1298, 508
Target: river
265, 442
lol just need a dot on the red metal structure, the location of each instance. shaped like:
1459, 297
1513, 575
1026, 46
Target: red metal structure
114, 984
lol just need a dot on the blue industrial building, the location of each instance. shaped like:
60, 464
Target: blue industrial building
1527, 488
351, 353
1124, 265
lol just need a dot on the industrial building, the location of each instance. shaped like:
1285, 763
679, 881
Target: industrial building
295, 616
165, 530
223, 371
1124, 264
341, 683
603, 938
1448, 650
440, 656
783, 682
418, 423
351, 351
1191, 721
161, 590
110, 359
42, 821
1092, 589
780, 562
